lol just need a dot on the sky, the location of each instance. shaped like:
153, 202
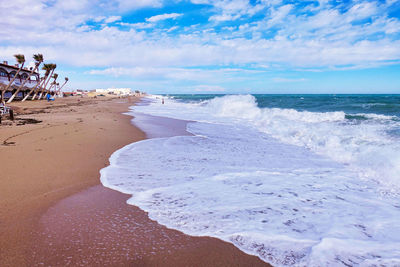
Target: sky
205, 46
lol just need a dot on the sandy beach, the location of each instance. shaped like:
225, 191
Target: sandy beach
53, 210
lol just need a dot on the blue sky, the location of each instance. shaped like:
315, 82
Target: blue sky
204, 46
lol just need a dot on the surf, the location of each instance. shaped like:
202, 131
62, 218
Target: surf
292, 187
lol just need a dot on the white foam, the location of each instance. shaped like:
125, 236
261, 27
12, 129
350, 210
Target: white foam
264, 180
366, 146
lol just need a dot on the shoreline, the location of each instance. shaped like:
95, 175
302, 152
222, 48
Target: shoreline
56, 161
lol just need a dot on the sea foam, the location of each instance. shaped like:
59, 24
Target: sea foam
294, 188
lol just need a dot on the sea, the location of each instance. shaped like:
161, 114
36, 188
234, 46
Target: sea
297, 180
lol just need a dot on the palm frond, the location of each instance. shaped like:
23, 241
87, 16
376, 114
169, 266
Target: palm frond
20, 58
47, 67
38, 58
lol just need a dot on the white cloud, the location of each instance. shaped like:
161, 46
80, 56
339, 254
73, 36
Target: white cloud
99, 18
137, 26
196, 76
209, 88
172, 28
136, 4
201, 2
229, 10
362, 10
325, 39
163, 17
73, 5
112, 19
278, 15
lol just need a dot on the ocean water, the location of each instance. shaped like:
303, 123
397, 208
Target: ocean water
298, 180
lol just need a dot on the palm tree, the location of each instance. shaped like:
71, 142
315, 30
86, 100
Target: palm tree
54, 83
38, 60
59, 89
52, 68
21, 60
44, 91
47, 68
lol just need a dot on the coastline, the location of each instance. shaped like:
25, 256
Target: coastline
47, 166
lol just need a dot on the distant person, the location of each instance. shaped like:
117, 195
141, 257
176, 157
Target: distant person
162, 101
49, 98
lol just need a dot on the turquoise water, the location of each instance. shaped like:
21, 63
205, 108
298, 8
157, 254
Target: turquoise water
356, 107
350, 104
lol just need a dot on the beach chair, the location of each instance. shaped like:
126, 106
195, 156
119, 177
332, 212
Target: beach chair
6, 110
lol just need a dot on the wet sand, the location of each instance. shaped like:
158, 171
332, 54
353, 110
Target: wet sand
53, 210
92, 228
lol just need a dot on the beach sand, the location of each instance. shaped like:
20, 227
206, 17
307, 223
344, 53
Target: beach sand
53, 210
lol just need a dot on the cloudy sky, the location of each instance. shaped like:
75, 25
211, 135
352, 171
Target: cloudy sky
211, 46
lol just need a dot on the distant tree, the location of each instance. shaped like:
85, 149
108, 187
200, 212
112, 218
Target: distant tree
53, 84
43, 80
52, 67
47, 68
66, 80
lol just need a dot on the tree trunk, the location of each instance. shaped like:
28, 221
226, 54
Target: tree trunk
59, 89
33, 89
22, 85
44, 88
48, 91
40, 89
9, 84
36, 89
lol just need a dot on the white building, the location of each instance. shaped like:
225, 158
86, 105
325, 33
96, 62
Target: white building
115, 91
7, 73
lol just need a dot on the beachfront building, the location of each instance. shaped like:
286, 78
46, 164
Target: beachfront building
113, 91
8, 72
80, 92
